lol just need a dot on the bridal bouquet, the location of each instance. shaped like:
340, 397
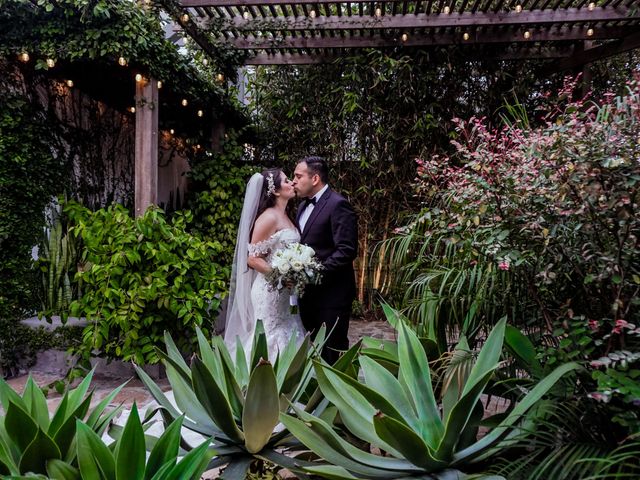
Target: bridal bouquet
294, 267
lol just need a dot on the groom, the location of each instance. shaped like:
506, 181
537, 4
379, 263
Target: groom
327, 224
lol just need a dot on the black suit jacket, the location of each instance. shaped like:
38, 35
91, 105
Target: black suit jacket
332, 231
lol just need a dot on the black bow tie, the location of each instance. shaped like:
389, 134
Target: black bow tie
309, 201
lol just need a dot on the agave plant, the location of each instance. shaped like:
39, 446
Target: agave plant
399, 414
238, 403
33, 442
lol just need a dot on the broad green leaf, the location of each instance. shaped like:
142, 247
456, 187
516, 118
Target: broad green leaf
214, 401
332, 472
237, 468
20, 426
67, 431
97, 411
95, 460
165, 450
76, 396
406, 441
60, 470
415, 375
40, 450
488, 357
455, 379
260, 349
36, 403
207, 355
522, 350
7, 394
262, 407
130, 453
242, 368
193, 464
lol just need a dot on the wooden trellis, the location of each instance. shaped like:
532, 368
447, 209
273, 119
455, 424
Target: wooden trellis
313, 31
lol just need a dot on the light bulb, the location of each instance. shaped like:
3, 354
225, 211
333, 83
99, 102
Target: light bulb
312, 14
527, 35
132, 109
518, 8
220, 77
592, 6
198, 146
172, 131
69, 83
446, 10
200, 113
404, 37
138, 77
185, 18
122, 61
378, 12
465, 36
184, 102
51, 62
159, 83
24, 57
205, 62
245, 15
590, 32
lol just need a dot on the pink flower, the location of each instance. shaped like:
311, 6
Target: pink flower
504, 265
594, 325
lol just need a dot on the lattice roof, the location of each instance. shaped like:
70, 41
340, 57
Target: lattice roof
306, 31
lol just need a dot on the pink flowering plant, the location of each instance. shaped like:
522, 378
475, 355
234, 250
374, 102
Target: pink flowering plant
551, 212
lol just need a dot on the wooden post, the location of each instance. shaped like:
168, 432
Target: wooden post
146, 161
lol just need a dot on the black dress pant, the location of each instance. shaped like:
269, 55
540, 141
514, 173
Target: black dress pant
337, 321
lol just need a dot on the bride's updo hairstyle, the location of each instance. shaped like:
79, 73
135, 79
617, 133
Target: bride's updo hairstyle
270, 185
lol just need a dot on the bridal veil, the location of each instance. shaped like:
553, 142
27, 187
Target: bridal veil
240, 320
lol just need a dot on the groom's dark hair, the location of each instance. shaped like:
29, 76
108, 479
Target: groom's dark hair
317, 166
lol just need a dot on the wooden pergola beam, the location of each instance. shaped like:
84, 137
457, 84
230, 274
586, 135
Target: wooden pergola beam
304, 59
610, 49
417, 40
421, 20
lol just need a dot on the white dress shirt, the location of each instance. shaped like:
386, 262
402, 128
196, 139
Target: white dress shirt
307, 211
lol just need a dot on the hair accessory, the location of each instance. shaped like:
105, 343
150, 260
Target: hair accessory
271, 185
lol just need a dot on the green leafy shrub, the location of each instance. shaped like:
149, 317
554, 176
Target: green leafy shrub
218, 181
143, 276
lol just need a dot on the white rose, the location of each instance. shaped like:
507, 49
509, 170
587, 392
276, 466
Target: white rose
297, 265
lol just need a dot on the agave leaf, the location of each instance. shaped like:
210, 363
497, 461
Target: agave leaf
95, 460
177, 366
355, 411
415, 375
97, 411
62, 471
392, 315
455, 377
522, 350
260, 350
295, 368
67, 431
60, 414
36, 403
7, 394
175, 355
193, 464
329, 435
332, 472
130, 450
237, 468
242, 369
157, 393
406, 441
207, 355
459, 418
318, 445
488, 357
214, 401
76, 396
474, 451
7, 463
38, 452
20, 426
234, 393
261, 410
380, 380
165, 450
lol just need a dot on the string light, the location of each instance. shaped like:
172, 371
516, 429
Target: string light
518, 8
465, 36
51, 62
527, 35
172, 131
446, 10
205, 62
184, 102
185, 18
200, 113
198, 146
404, 37
159, 83
378, 12
24, 57
69, 83
245, 15
139, 77
590, 32
122, 61
592, 6
312, 14
220, 77
132, 109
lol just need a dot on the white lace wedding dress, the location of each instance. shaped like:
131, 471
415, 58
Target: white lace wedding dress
272, 306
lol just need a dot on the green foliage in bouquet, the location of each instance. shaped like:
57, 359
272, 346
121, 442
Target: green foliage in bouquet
143, 276
33, 442
238, 402
400, 415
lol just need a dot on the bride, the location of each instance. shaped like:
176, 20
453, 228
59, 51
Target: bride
265, 227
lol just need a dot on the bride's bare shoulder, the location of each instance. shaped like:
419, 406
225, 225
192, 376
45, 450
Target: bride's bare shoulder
265, 226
